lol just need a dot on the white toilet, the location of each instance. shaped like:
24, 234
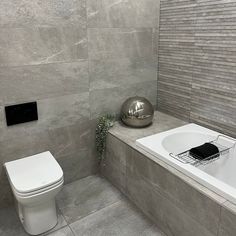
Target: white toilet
35, 181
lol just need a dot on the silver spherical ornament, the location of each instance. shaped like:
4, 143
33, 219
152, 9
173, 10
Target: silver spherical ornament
137, 112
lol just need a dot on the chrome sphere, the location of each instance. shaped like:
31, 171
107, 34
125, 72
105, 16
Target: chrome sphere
137, 112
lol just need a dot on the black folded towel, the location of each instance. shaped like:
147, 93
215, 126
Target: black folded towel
204, 151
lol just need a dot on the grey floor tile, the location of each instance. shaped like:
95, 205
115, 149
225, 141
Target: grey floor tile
86, 196
66, 231
60, 224
120, 218
95, 207
10, 225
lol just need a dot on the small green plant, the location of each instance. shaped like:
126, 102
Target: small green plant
105, 122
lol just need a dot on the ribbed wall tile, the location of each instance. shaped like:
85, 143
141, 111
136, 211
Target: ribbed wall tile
197, 62
214, 84
176, 43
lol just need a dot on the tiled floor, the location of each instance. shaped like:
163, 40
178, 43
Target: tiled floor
89, 207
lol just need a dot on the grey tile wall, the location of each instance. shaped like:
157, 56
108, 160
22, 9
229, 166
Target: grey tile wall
77, 59
228, 218
197, 62
176, 44
122, 63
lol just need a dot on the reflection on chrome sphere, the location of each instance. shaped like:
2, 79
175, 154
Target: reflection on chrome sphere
137, 112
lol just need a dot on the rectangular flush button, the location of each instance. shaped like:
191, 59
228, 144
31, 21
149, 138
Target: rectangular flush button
21, 113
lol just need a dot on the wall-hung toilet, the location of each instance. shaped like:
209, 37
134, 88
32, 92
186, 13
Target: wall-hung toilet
35, 181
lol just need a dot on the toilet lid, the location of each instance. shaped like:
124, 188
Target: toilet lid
34, 172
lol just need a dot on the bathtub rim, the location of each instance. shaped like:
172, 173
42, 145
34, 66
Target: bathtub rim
218, 194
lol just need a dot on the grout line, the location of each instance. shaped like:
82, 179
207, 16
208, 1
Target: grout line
73, 182
44, 64
48, 233
71, 230
89, 66
158, 56
126, 27
219, 224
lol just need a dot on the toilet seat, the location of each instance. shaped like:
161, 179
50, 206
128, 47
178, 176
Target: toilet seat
34, 174
39, 191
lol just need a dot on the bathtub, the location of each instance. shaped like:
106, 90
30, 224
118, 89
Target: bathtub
219, 175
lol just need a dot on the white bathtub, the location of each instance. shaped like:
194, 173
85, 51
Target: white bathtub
219, 175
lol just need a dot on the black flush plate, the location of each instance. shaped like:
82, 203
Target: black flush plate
21, 113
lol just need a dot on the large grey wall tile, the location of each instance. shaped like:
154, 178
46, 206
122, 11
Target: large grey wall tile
114, 172
121, 63
25, 145
120, 43
53, 113
47, 13
118, 149
194, 203
106, 74
110, 100
113, 167
124, 13
43, 81
120, 218
2, 116
40, 45
63, 141
155, 41
170, 218
72, 167
228, 218
70, 139
6, 196
61, 111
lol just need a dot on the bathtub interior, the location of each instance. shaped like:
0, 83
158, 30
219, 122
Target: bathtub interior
184, 138
179, 142
223, 168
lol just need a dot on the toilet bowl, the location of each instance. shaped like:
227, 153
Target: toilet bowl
35, 181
